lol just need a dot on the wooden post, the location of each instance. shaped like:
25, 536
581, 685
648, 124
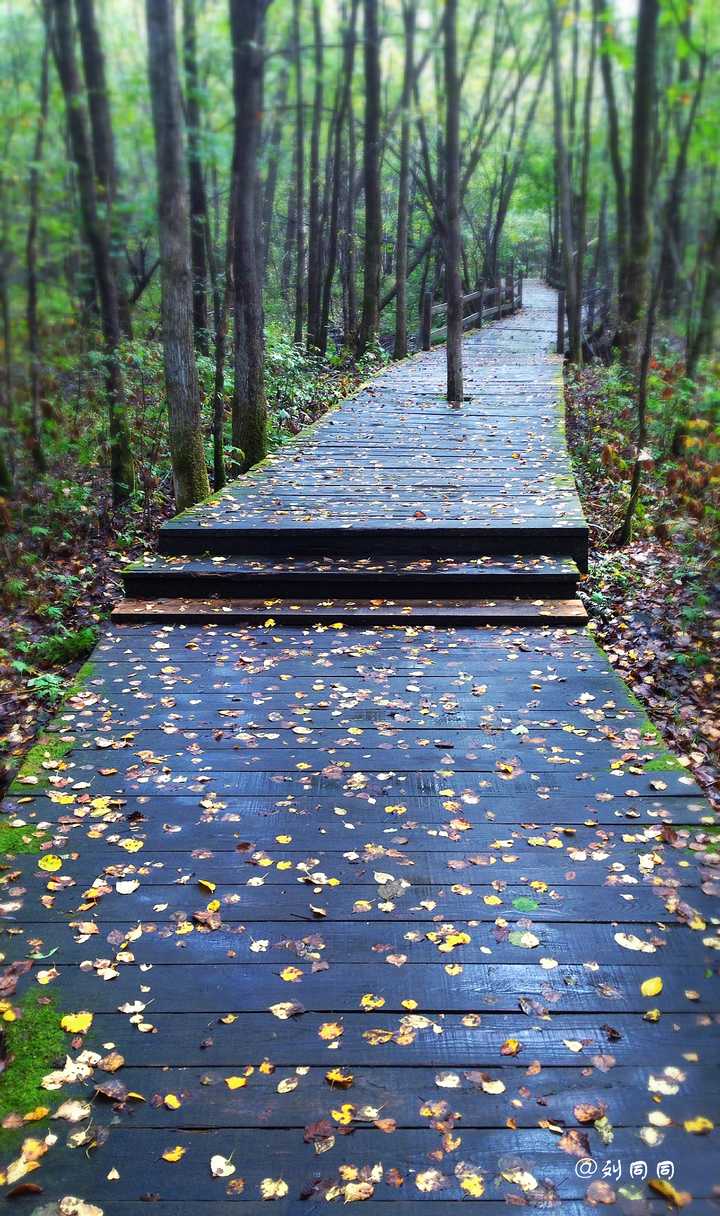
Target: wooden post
426, 320
481, 289
511, 285
561, 322
520, 283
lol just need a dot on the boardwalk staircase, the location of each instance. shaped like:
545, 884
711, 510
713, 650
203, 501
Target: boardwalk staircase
397, 505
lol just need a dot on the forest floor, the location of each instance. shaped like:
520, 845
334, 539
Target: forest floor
62, 548
655, 604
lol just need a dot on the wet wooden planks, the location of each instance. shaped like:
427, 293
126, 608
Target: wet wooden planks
468, 973
409, 913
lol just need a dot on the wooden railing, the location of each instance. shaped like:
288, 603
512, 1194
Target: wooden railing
486, 303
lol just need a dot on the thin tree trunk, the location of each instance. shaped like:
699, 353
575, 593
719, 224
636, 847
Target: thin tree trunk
634, 298
614, 148
314, 284
37, 450
345, 87
271, 178
452, 219
96, 235
672, 224
702, 343
103, 142
624, 533
299, 177
181, 382
582, 195
371, 174
286, 270
350, 290
222, 306
249, 404
565, 194
198, 202
403, 207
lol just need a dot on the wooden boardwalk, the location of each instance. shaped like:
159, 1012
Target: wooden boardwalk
375, 901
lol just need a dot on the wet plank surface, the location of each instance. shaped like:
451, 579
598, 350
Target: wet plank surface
408, 914
397, 468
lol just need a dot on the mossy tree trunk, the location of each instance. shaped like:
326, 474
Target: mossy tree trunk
181, 381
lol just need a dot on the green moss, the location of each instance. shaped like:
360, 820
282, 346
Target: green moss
14, 840
51, 746
666, 763
32, 1044
48, 748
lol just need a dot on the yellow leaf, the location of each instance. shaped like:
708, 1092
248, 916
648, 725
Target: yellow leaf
473, 1185
206, 885
172, 1102
339, 1078
291, 975
50, 862
235, 1082
174, 1154
271, 1188
330, 1030
699, 1126
652, 987
76, 1023
369, 1001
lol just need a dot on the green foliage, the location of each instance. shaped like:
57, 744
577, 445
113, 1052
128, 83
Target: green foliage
63, 646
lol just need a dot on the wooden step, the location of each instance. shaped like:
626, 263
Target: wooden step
538, 534
538, 577
376, 611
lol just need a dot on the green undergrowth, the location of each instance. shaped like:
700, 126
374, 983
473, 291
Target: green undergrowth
31, 1044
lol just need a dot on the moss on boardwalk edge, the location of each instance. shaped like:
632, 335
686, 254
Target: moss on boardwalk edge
50, 747
32, 1040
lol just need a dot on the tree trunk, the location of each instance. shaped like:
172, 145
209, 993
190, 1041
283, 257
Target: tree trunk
344, 87
249, 404
198, 203
614, 148
37, 450
181, 381
95, 231
299, 177
452, 217
103, 142
350, 318
371, 174
582, 194
702, 343
634, 298
670, 252
403, 207
314, 283
271, 178
565, 194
